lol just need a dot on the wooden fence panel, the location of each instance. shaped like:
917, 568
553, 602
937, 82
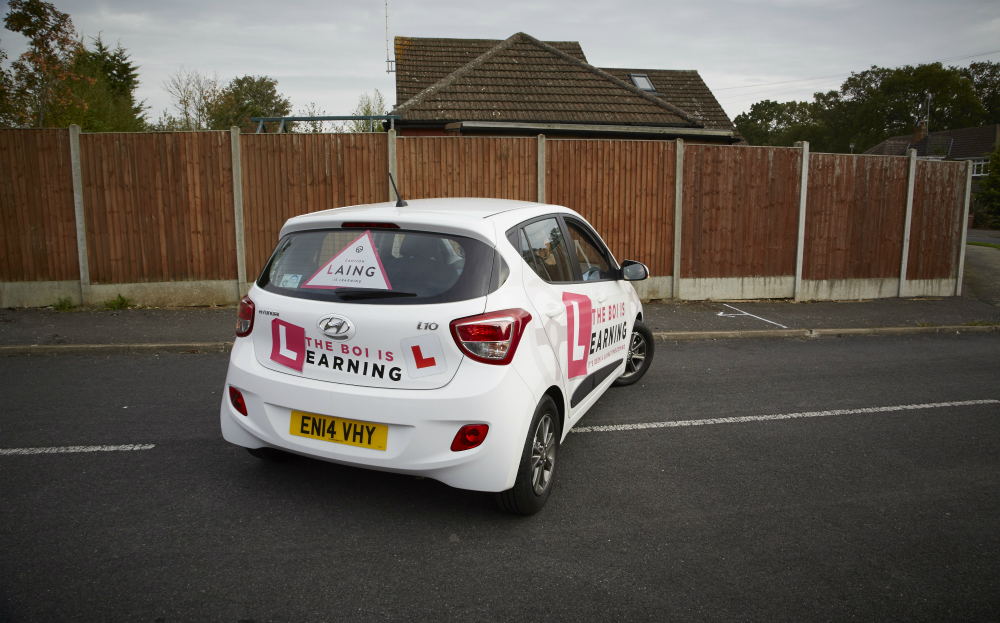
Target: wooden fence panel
159, 206
462, 166
37, 216
740, 211
855, 215
286, 175
936, 227
625, 189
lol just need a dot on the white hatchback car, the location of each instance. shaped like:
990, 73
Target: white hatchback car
457, 339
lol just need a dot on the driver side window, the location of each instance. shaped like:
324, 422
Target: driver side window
589, 254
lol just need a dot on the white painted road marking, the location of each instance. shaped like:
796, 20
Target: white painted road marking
780, 416
743, 313
69, 449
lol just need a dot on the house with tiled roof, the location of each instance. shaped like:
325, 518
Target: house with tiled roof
975, 144
524, 87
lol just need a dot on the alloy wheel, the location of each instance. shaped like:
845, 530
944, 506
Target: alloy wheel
636, 355
543, 454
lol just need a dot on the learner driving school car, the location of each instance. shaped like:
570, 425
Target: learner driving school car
457, 339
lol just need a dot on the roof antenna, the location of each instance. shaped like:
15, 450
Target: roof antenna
399, 200
390, 65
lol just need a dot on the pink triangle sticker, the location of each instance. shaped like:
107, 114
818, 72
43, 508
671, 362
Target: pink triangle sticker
357, 265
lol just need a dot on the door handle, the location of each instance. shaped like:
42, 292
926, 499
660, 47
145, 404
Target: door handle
602, 298
552, 310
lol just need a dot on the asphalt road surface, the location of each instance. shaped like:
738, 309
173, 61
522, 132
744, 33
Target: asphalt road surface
867, 515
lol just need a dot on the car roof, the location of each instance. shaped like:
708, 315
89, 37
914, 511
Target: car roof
454, 206
455, 215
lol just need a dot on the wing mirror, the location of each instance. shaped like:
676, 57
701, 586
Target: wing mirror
634, 271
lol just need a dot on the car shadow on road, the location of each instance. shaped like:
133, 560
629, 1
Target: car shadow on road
349, 489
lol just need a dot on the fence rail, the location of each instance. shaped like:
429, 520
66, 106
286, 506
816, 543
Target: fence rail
169, 219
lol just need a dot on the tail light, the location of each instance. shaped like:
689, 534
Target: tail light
236, 397
469, 436
491, 338
244, 317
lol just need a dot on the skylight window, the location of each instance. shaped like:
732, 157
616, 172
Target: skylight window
642, 81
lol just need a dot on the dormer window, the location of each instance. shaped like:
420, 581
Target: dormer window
642, 81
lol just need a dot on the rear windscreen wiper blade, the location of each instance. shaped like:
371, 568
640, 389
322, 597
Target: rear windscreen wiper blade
370, 293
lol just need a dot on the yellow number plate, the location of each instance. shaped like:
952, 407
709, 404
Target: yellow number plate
339, 430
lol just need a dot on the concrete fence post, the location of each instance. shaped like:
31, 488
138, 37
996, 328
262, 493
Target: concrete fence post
392, 164
241, 253
81, 218
678, 215
541, 168
800, 245
907, 222
964, 225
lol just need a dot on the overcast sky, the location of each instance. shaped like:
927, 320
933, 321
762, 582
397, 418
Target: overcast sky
331, 52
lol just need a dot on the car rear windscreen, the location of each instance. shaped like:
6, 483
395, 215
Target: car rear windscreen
386, 267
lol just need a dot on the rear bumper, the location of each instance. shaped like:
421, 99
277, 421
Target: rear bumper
422, 423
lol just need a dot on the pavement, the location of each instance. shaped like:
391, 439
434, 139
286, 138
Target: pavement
982, 273
205, 329
783, 314
869, 490
42, 330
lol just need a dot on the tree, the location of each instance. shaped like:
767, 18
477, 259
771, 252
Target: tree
885, 102
776, 124
987, 201
7, 117
876, 104
315, 127
104, 92
41, 75
242, 98
191, 94
368, 105
985, 79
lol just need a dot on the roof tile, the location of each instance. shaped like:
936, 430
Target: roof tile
523, 79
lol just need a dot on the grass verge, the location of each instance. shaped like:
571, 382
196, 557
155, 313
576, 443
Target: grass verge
984, 244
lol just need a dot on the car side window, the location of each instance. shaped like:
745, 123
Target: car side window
589, 254
544, 250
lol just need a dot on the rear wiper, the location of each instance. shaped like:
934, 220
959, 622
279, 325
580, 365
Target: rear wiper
370, 293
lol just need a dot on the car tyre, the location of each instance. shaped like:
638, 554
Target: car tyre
271, 455
536, 471
640, 355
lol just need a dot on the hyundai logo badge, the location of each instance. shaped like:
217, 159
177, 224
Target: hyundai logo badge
336, 327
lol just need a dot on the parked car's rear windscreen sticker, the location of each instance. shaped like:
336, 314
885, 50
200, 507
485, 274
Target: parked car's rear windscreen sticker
356, 266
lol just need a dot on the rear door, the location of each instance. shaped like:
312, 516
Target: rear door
573, 287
